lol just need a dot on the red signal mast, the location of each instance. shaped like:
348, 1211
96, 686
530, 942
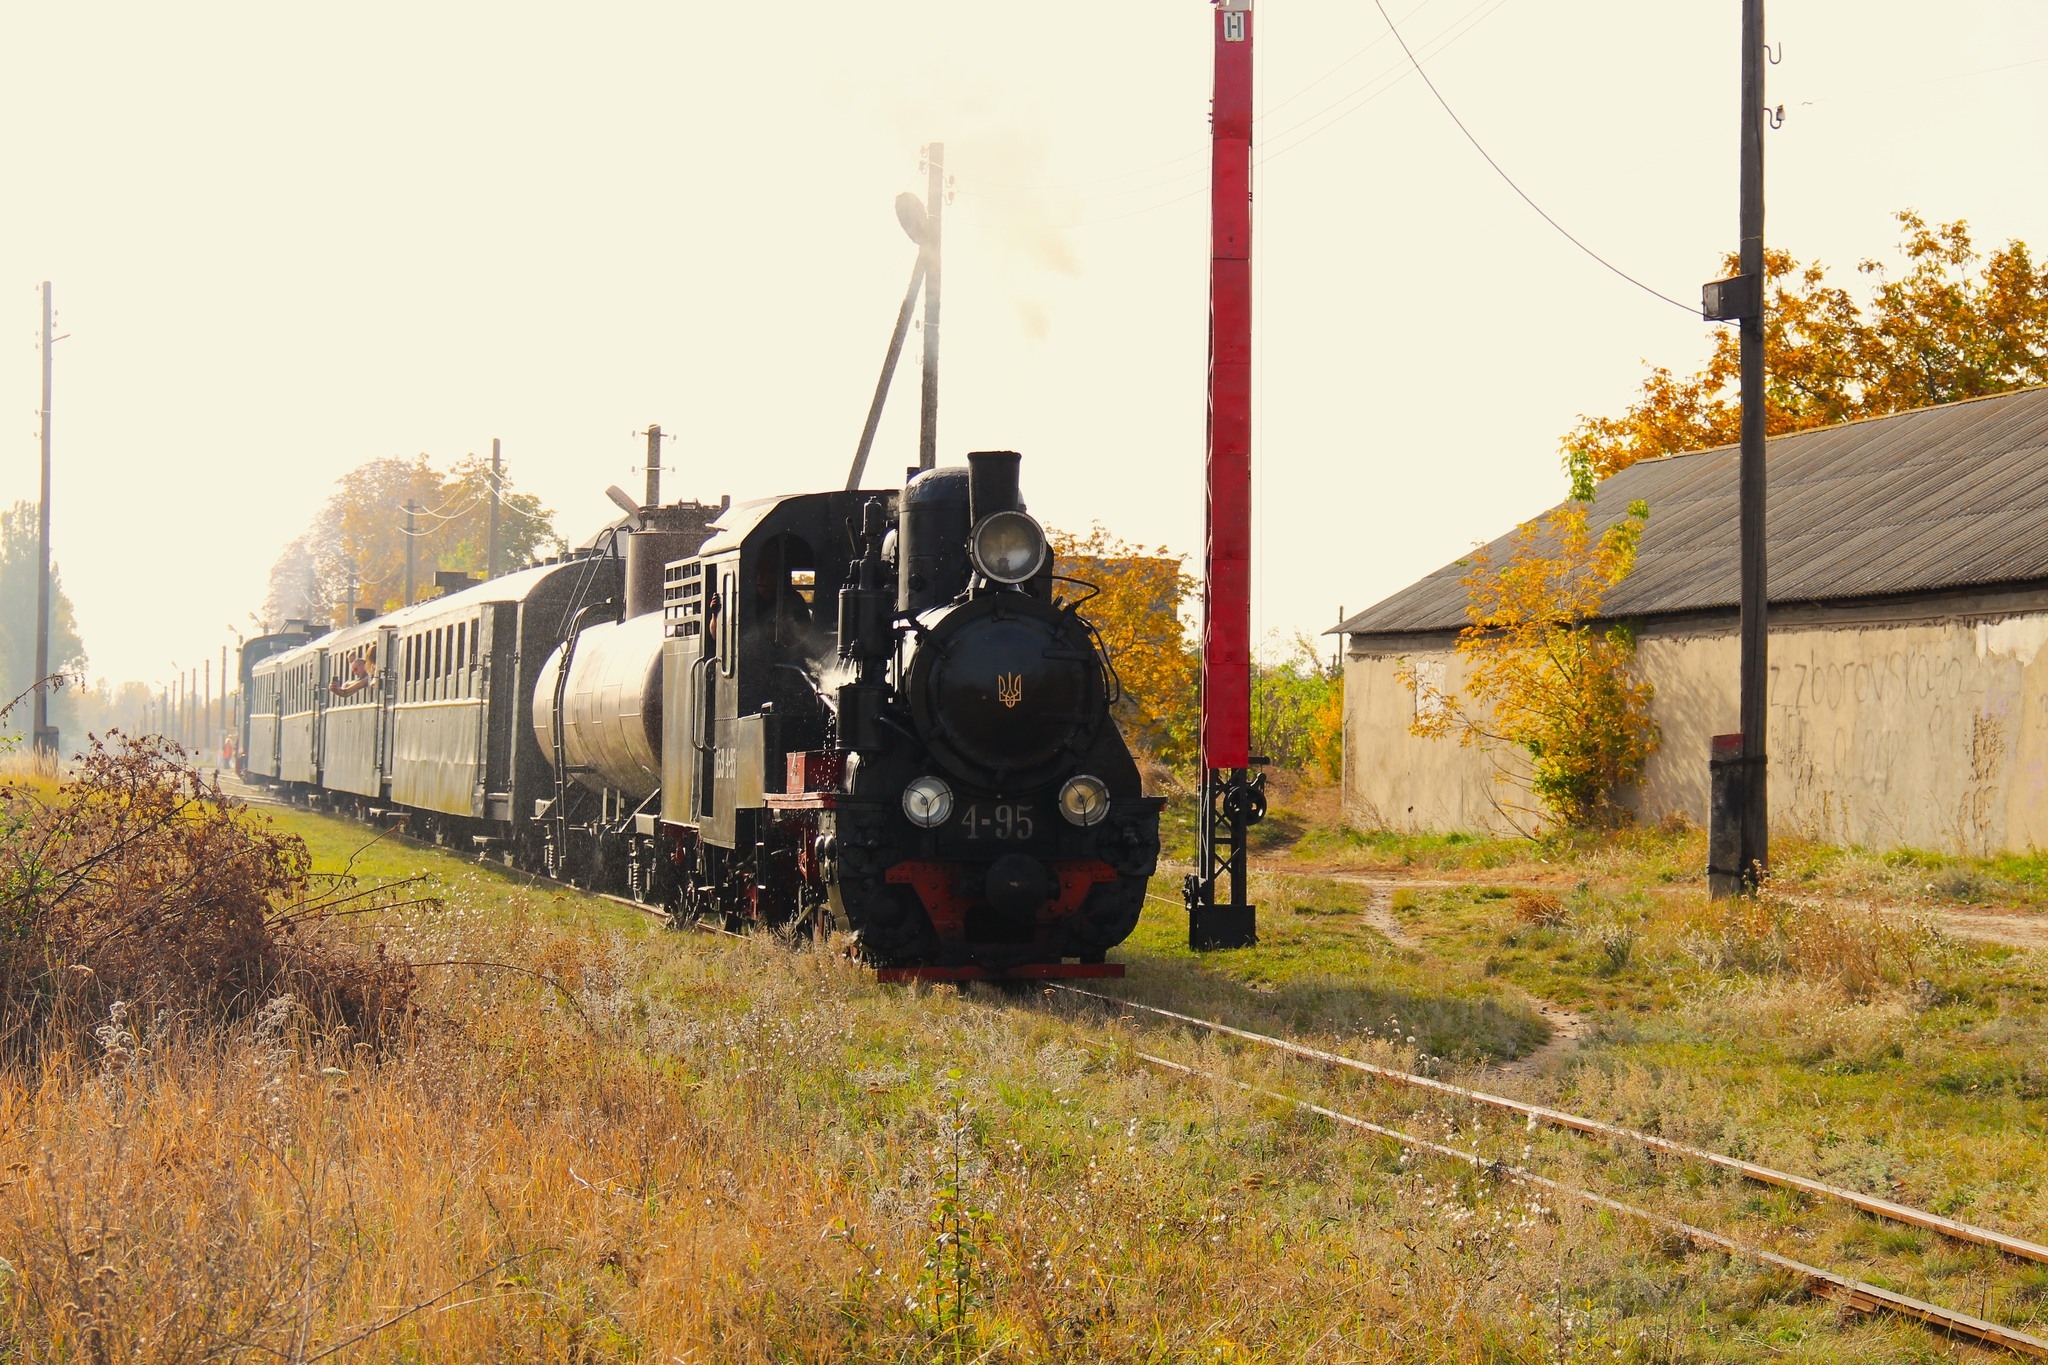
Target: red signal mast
1232, 797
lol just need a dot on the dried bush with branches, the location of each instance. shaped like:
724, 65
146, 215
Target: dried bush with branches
136, 880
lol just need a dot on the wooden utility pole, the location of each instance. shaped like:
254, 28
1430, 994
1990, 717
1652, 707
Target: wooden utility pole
1755, 818
206, 706
44, 738
491, 542
410, 536
653, 467
934, 205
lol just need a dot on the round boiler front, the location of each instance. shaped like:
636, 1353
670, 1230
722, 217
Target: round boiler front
611, 711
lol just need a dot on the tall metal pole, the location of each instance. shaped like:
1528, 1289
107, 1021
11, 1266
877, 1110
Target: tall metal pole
497, 478
1232, 798
653, 467
44, 740
223, 691
1755, 816
934, 204
205, 727
410, 538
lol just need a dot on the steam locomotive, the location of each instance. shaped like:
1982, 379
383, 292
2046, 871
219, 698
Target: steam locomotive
877, 710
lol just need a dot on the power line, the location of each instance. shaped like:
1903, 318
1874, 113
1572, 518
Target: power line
1562, 231
1449, 34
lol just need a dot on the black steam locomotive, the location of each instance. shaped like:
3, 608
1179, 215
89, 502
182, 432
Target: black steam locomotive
880, 710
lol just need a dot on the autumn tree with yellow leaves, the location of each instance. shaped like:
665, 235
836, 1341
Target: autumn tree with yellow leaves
355, 548
1543, 676
1137, 600
1954, 325
1135, 606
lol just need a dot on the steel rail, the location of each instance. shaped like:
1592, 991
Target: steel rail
1749, 1170
1856, 1294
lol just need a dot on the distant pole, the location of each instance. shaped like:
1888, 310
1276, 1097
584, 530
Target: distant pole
653, 467
491, 553
1755, 817
206, 707
223, 690
410, 507
934, 203
44, 740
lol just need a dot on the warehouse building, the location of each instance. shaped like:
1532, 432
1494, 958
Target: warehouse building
1909, 610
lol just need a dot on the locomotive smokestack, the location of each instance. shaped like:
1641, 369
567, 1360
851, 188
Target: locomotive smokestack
992, 483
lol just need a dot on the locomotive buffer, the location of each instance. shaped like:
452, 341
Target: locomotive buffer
1232, 797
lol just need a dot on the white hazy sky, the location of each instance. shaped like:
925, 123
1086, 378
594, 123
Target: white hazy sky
288, 239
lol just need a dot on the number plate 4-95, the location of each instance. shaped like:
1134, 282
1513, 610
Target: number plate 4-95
1002, 820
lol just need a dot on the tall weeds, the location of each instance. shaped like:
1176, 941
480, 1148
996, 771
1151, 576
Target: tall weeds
136, 881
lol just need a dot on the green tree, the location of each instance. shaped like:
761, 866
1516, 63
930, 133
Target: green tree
1298, 711
19, 549
1954, 325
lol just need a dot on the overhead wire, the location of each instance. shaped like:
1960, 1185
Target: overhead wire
1456, 29
1510, 181
1433, 46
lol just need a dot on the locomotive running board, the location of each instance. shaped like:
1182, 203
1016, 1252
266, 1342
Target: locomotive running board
1028, 971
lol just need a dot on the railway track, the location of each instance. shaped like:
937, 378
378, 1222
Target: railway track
1856, 1294
1852, 1293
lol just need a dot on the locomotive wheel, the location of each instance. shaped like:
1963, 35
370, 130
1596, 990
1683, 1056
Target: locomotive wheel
893, 927
1105, 919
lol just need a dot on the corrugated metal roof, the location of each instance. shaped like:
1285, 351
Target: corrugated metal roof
1947, 497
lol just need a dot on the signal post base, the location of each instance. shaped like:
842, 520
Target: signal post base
1223, 926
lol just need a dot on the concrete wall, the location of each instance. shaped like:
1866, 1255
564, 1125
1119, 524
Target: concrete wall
1887, 729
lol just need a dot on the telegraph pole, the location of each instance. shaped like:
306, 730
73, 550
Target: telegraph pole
44, 738
491, 553
934, 203
410, 507
653, 466
1232, 798
1756, 853
1739, 830
223, 691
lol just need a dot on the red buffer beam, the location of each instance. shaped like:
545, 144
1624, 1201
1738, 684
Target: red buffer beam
1227, 620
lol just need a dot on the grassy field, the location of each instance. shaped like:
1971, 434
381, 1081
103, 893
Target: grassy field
599, 1139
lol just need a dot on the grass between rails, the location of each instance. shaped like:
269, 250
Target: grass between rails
680, 1146
1846, 1042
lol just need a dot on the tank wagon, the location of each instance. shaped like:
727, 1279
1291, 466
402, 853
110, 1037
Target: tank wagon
882, 710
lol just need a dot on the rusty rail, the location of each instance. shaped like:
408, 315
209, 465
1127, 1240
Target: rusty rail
1749, 1170
1857, 1294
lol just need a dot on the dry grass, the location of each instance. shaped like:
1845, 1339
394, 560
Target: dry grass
762, 1158
134, 882
593, 1140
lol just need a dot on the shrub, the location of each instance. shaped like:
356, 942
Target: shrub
137, 881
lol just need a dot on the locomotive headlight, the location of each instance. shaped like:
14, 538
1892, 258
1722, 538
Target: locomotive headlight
928, 801
1008, 547
1084, 800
